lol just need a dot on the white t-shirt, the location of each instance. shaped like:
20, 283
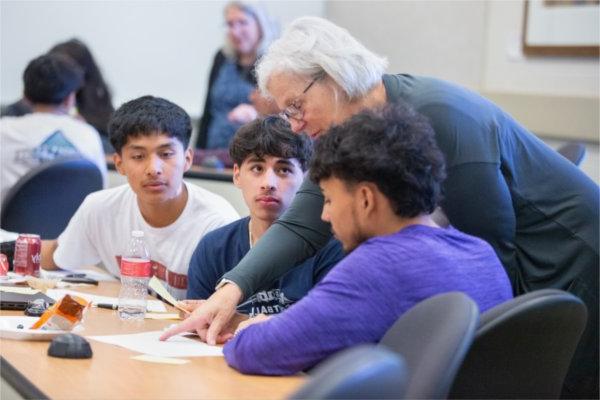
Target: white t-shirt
30, 140
101, 228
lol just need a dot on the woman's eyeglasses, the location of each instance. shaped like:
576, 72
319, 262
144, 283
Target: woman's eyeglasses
294, 110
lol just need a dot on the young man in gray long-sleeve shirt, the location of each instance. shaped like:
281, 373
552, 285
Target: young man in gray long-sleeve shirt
380, 173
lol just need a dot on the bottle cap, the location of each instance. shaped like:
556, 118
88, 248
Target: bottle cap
137, 234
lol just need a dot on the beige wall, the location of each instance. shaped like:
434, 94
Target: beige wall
475, 43
478, 44
163, 48
508, 70
438, 38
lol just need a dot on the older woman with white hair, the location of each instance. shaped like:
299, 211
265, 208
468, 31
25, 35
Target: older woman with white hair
538, 211
232, 81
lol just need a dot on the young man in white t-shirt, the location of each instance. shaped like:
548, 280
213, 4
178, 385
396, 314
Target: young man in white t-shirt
150, 136
50, 84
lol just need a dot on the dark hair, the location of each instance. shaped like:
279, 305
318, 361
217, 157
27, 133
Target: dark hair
51, 78
149, 115
93, 98
393, 147
270, 136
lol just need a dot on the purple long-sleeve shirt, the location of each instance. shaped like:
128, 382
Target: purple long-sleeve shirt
362, 297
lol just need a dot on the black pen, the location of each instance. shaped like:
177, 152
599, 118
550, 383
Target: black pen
89, 281
107, 306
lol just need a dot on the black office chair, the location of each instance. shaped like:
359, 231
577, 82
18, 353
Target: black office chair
44, 200
433, 337
362, 372
572, 151
522, 348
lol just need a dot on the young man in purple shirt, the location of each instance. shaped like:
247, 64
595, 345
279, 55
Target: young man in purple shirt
380, 173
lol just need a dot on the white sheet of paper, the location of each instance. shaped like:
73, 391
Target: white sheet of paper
148, 343
18, 289
89, 273
160, 360
57, 294
151, 306
151, 315
155, 306
6, 236
12, 278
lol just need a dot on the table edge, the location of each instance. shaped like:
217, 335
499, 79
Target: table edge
19, 382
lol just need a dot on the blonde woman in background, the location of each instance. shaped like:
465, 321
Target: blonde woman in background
231, 100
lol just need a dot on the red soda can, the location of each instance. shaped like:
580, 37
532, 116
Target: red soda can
3, 265
28, 255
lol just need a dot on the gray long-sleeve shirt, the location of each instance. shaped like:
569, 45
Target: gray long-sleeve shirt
536, 209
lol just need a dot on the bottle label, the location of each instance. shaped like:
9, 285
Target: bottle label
135, 267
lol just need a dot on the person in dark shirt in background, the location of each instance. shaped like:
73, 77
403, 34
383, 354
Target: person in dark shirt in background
270, 162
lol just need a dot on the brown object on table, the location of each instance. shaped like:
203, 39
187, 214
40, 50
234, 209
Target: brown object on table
63, 315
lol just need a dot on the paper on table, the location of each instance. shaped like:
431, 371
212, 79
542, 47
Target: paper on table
156, 306
158, 287
89, 273
18, 289
6, 236
151, 306
148, 343
13, 278
57, 294
163, 360
150, 315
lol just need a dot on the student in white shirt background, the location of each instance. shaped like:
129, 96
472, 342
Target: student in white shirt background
50, 132
150, 136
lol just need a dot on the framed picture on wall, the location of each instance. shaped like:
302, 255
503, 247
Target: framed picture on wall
561, 28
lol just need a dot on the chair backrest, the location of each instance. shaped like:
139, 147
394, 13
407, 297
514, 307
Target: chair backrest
433, 338
44, 200
523, 348
573, 152
362, 372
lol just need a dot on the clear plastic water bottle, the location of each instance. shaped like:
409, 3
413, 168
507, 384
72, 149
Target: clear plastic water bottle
135, 274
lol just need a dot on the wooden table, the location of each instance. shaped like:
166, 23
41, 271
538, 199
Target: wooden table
112, 374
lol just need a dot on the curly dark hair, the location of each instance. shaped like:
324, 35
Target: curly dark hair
270, 136
50, 78
149, 115
393, 147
